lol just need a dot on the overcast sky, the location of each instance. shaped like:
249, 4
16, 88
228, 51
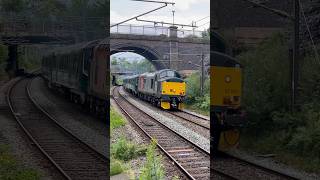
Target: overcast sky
186, 11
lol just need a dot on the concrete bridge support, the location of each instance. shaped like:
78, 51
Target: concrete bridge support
173, 48
12, 61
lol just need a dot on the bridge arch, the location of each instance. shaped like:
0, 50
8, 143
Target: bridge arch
148, 53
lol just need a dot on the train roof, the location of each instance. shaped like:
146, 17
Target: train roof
157, 72
131, 77
220, 59
73, 48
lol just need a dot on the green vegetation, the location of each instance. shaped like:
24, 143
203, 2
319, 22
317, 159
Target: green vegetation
84, 18
10, 168
272, 127
116, 167
31, 58
116, 119
122, 150
52, 8
125, 150
153, 169
138, 67
196, 101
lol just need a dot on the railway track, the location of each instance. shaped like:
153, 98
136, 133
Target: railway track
193, 161
246, 170
192, 118
222, 163
70, 156
226, 167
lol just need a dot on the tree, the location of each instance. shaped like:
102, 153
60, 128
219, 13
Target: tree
15, 6
101, 8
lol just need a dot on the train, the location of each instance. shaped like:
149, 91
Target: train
164, 88
81, 72
227, 116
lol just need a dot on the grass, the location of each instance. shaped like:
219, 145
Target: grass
116, 167
116, 119
122, 151
266, 145
153, 168
125, 150
196, 109
10, 169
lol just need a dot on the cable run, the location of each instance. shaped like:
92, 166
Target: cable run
309, 32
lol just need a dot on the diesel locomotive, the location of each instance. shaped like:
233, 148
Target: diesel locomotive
225, 90
163, 88
81, 72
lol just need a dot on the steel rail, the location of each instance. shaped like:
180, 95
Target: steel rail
217, 171
102, 156
272, 171
149, 136
192, 121
195, 115
8, 97
65, 131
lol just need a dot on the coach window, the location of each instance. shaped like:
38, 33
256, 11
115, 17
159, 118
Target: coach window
96, 73
85, 67
152, 83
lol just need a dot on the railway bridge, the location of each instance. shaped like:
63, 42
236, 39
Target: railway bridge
163, 47
17, 30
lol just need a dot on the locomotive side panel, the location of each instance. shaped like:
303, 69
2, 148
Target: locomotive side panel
98, 73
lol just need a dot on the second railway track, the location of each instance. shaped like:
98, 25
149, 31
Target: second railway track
69, 155
227, 167
190, 159
199, 121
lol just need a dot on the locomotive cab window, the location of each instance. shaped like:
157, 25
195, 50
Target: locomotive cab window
170, 73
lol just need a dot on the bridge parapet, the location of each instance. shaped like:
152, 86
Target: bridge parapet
153, 31
158, 38
22, 28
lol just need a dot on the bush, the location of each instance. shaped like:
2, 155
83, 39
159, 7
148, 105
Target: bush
10, 169
116, 167
126, 150
153, 169
272, 127
194, 97
265, 82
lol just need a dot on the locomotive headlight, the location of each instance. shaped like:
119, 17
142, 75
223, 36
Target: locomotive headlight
227, 79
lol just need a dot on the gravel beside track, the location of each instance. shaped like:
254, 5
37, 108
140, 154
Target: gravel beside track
72, 157
20, 146
193, 161
91, 130
192, 136
223, 168
243, 170
193, 119
191, 124
196, 114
